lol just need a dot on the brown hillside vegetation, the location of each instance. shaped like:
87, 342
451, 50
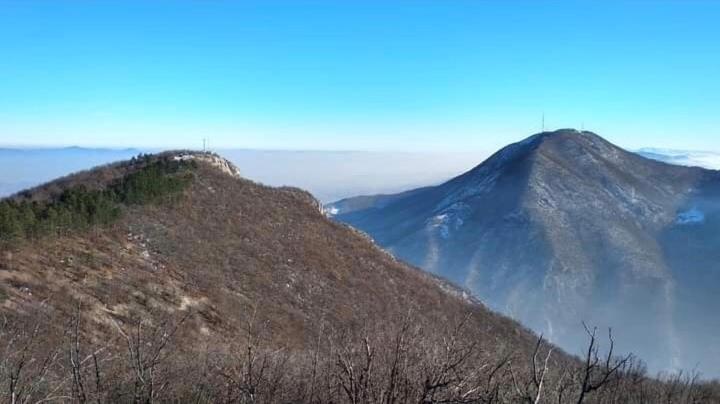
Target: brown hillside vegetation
230, 291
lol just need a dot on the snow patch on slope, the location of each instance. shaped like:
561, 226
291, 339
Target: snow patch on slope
448, 219
691, 216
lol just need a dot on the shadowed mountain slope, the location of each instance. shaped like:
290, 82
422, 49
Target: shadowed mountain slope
564, 227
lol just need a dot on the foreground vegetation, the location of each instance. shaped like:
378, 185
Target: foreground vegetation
79, 207
382, 363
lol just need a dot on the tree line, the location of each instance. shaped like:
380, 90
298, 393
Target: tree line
150, 180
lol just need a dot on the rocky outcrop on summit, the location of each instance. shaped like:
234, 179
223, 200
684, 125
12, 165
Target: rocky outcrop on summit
565, 227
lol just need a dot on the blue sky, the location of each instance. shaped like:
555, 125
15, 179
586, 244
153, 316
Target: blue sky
361, 75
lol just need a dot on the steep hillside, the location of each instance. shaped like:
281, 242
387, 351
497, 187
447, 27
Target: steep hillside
181, 238
226, 247
565, 227
170, 278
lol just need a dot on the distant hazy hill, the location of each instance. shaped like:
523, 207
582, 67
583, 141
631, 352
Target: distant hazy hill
564, 227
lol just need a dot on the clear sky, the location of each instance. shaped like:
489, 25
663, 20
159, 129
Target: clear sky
368, 75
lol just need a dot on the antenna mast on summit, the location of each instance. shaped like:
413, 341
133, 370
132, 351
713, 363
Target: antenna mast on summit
542, 126
204, 145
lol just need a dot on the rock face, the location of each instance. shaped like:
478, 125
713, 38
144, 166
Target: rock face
565, 227
211, 159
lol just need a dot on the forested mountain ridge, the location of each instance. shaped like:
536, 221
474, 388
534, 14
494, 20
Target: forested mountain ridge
36, 213
222, 290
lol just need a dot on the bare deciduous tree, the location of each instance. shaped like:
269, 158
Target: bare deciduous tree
397, 361
597, 372
146, 346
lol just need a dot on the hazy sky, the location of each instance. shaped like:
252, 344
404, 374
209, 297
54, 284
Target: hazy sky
368, 75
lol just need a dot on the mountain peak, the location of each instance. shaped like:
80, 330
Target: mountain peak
566, 138
553, 227
562, 145
564, 132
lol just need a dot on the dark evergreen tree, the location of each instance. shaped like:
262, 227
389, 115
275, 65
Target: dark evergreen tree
79, 208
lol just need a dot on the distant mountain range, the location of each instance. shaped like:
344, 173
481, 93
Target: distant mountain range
565, 227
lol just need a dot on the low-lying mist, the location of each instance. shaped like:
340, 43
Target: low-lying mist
329, 175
